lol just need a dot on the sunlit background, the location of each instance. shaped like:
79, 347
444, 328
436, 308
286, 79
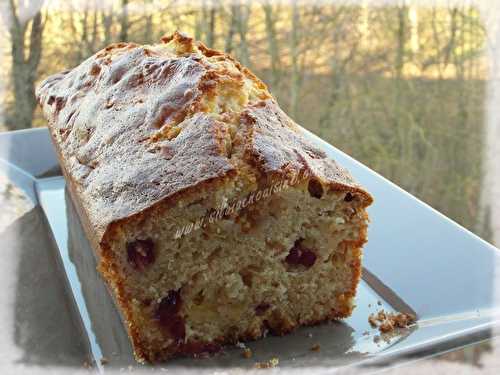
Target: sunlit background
401, 86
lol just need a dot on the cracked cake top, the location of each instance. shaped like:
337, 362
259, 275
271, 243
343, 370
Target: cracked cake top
141, 124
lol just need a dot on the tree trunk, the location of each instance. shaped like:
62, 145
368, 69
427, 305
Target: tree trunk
25, 60
401, 41
198, 25
91, 45
272, 45
107, 23
228, 46
403, 143
148, 27
211, 27
124, 22
413, 20
242, 27
294, 50
488, 218
85, 31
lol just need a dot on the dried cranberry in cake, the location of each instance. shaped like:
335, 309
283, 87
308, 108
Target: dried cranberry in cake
300, 255
169, 305
308, 258
315, 188
261, 308
140, 253
167, 315
293, 256
348, 197
177, 328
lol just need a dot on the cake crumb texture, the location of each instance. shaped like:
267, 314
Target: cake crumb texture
387, 322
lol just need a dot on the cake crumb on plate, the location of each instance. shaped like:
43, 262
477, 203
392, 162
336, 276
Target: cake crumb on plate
247, 353
316, 348
273, 362
387, 322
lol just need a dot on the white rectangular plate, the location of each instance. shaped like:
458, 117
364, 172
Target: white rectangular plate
416, 260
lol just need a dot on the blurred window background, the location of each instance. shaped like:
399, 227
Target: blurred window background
400, 86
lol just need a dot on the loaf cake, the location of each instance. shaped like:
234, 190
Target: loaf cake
213, 218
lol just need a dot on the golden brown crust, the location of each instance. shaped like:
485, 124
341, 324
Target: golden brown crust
276, 147
102, 123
